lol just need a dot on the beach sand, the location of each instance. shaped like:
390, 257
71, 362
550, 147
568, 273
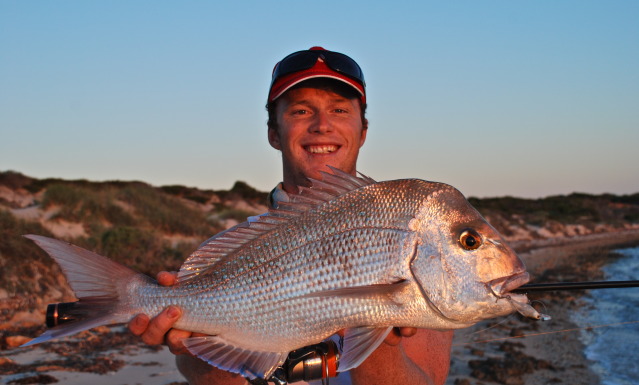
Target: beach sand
114, 356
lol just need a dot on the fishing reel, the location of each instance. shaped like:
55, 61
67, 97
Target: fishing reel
315, 362
59, 313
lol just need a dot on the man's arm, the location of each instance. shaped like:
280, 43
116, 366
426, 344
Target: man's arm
424, 358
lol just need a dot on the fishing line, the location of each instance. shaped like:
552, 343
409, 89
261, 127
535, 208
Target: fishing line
543, 305
505, 319
492, 326
544, 333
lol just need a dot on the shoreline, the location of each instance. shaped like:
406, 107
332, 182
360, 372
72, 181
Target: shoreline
525, 351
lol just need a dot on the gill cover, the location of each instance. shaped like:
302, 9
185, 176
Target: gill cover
459, 255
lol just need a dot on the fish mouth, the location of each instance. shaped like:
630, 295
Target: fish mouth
504, 285
321, 149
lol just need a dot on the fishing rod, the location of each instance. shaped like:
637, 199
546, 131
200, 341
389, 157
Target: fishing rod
575, 286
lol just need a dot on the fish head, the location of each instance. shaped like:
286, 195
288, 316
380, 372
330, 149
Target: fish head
463, 266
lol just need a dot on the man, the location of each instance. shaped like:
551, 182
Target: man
316, 106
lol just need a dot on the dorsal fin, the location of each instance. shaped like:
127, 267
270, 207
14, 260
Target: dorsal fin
225, 243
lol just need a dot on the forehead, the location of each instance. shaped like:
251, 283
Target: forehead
327, 84
310, 94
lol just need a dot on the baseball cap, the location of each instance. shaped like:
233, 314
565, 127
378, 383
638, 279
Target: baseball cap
316, 62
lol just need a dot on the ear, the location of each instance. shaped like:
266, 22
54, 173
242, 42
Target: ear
274, 138
362, 138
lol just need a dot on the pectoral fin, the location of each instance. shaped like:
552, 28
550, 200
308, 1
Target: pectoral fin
359, 343
224, 355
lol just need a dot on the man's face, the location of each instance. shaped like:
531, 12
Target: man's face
316, 128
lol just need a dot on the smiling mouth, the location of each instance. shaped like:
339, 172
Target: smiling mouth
323, 149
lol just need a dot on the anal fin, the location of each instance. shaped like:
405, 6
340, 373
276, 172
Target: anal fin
224, 355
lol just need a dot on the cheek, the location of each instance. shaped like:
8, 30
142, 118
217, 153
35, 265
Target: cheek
284, 138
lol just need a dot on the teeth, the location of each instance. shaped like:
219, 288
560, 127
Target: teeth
327, 149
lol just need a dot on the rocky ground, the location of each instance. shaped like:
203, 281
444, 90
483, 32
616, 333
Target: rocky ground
96, 356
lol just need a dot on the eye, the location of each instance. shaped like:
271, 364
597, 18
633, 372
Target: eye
470, 239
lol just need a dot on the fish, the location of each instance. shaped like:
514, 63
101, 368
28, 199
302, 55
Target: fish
345, 254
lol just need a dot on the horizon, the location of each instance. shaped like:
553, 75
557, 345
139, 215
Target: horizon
266, 191
497, 99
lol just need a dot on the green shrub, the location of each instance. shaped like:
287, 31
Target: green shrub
20, 258
86, 204
190, 193
142, 250
164, 212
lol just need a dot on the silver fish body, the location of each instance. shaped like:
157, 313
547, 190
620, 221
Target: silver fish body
349, 254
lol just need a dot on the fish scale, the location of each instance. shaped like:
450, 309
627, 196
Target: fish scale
347, 254
298, 278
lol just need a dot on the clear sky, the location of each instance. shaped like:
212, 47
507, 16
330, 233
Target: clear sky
520, 98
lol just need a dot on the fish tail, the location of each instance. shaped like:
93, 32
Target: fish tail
97, 282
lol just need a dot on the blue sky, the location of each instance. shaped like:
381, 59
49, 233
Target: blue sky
497, 98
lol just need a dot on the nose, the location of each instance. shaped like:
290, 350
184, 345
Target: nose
321, 124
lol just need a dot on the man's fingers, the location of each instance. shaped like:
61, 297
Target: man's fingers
160, 325
174, 341
138, 324
175, 338
396, 335
407, 332
393, 338
166, 278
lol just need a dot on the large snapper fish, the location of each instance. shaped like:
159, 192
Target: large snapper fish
346, 254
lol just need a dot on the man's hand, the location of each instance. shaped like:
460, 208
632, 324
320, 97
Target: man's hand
395, 336
159, 330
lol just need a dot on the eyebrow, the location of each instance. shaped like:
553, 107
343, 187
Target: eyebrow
339, 99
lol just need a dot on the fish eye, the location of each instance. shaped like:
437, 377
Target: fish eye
470, 239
